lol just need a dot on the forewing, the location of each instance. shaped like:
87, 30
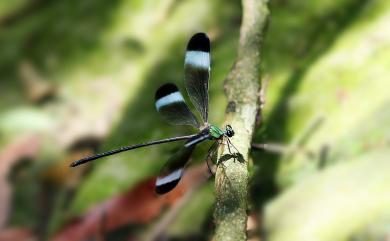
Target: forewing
197, 72
172, 106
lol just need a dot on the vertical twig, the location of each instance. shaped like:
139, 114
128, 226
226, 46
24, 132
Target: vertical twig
242, 89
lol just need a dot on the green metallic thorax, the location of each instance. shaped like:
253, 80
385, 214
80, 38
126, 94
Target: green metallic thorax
215, 132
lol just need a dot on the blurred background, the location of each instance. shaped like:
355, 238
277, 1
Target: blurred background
78, 77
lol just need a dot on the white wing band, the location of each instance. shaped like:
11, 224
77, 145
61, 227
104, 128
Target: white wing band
169, 99
169, 178
198, 59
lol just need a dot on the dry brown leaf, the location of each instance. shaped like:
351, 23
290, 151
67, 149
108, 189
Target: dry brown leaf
26, 146
17, 234
138, 206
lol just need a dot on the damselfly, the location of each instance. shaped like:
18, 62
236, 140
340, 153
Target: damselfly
172, 106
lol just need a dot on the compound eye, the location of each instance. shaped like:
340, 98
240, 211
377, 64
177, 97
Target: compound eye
229, 131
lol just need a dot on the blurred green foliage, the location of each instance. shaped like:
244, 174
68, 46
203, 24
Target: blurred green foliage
101, 61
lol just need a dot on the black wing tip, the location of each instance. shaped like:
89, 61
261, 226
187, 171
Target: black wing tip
199, 42
167, 187
165, 90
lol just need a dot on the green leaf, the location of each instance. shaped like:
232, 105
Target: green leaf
347, 87
335, 203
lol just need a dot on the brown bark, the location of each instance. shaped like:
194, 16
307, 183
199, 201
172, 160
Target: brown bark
242, 89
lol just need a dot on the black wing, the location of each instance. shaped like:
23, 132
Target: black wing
197, 72
172, 106
172, 171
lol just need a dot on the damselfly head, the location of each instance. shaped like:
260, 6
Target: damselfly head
229, 131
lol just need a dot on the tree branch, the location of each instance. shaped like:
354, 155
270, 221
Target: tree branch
242, 89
